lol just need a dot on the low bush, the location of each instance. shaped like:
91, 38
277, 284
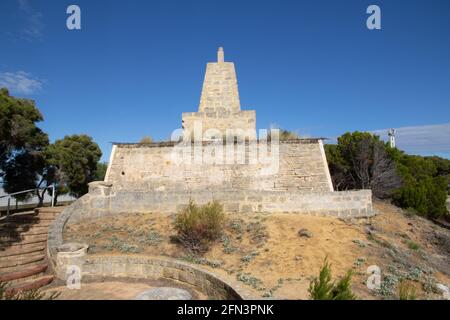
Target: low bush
198, 226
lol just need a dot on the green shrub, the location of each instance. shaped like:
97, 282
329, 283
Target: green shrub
323, 288
198, 226
413, 246
427, 196
361, 160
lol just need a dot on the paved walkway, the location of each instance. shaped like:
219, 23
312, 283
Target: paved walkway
110, 290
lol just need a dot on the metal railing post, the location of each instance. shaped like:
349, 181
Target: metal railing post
7, 209
53, 195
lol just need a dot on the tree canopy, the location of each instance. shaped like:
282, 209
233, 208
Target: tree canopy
28, 161
361, 160
73, 161
22, 143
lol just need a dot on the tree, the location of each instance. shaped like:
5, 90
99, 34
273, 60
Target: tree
21, 143
21, 173
424, 186
72, 164
101, 171
323, 288
361, 160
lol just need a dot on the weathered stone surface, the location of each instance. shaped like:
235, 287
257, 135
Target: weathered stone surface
164, 293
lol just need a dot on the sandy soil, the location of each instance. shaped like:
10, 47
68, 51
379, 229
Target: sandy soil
267, 254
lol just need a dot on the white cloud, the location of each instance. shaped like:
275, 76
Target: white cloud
422, 140
20, 82
34, 25
426, 139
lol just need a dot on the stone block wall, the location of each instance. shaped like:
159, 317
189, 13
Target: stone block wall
95, 267
102, 201
223, 121
297, 165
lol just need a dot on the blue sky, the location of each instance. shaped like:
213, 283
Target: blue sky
309, 66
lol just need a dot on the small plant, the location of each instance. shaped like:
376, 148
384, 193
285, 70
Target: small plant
198, 226
360, 243
406, 290
250, 280
258, 233
413, 246
228, 248
152, 238
323, 288
249, 257
414, 273
236, 225
146, 140
388, 284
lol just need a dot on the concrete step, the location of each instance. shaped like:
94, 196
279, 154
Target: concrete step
28, 285
47, 215
22, 249
22, 238
24, 230
7, 263
21, 267
13, 243
24, 274
31, 217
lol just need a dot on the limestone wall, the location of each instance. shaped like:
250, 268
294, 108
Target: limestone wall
103, 201
212, 285
297, 165
220, 88
222, 121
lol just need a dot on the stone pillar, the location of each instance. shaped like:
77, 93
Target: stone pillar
220, 55
70, 257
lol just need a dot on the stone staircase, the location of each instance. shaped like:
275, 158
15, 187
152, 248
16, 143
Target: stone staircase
23, 249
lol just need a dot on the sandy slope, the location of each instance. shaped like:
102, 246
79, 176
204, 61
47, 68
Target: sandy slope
266, 252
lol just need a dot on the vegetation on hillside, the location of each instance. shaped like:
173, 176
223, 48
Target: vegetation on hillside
360, 160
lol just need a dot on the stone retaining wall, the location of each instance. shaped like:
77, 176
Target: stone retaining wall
154, 268
102, 201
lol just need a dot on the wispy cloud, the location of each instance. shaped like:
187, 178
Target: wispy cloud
421, 140
20, 82
34, 26
427, 139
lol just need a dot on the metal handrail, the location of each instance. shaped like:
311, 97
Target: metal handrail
9, 196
